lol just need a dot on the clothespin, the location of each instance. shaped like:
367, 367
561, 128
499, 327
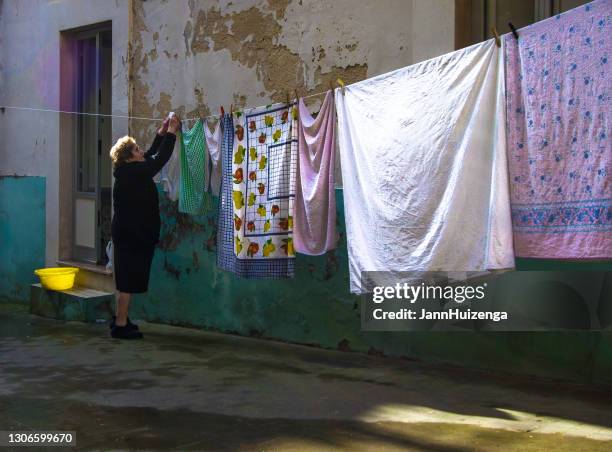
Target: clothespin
297, 97
516, 36
341, 83
222, 111
288, 100
496, 34
231, 109
331, 85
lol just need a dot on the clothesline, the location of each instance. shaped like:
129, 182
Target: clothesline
134, 117
140, 118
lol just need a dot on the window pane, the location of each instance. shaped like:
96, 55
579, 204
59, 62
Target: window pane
87, 99
520, 14
85, 233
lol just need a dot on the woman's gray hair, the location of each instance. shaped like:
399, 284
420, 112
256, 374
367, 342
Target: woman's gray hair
121, 152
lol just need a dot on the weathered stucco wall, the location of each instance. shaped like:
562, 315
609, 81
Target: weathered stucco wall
252, 52
193, 56
30, 74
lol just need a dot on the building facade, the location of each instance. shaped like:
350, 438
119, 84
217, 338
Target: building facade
136, 60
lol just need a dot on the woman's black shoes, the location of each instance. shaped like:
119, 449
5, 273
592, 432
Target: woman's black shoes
129, 331
129, 324
125, 332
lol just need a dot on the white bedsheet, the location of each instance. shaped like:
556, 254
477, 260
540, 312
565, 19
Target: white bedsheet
424, 167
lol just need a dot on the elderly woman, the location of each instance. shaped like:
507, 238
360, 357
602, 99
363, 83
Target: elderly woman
136, 223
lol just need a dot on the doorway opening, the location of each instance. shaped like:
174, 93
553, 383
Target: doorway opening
86, 89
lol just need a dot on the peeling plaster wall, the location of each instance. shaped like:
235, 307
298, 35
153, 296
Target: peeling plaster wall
192, 56
30, 75
195, 55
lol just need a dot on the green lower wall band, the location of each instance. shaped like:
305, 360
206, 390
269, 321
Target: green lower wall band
315, 308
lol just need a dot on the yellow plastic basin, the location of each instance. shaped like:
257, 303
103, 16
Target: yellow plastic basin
59, 278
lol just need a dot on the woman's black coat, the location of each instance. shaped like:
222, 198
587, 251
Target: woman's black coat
136, 221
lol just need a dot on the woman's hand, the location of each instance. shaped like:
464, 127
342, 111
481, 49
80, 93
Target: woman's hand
164, 128
174, 124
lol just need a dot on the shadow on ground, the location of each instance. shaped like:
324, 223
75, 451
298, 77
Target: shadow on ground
187, 389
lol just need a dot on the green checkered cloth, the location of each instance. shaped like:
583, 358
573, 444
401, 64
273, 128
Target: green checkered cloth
194, 198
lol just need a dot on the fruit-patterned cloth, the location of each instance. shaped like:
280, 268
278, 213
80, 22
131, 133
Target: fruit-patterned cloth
194, 198
315, 201
559, 86
264, 170
424, 167
226, 257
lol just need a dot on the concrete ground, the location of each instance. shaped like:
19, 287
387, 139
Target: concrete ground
183, 389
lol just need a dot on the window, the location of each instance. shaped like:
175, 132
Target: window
474, 18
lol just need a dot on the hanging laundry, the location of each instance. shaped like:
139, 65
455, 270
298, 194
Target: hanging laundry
559, 150
226, 256
170, 177
193, 197
213, 144
264, 175
338, 167
424, 167
315, 203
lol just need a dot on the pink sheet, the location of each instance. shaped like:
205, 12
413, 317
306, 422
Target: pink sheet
315, 203
559, 91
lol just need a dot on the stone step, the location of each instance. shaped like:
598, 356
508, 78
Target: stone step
77, 304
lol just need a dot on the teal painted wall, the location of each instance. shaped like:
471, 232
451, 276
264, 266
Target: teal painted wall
316, 308
22, 235
187, 288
